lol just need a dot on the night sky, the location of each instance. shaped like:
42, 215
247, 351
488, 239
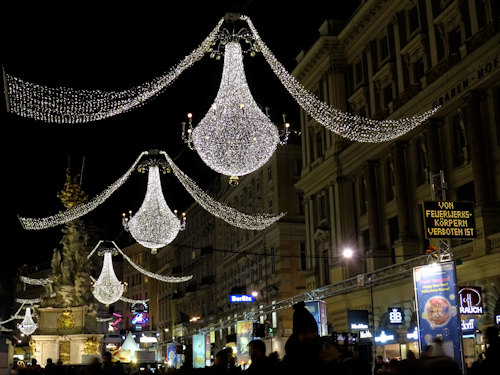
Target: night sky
115, 48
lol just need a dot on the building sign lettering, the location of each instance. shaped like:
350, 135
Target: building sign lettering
470, 300
396, 315
241, 298
477, 75
449, 219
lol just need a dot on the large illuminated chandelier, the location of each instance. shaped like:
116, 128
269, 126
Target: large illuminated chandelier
27, 326
107, 289
154, 225
235, 137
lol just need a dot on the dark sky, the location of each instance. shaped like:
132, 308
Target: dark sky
118, 47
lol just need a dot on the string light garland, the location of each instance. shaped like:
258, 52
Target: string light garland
27, 326
107, 289
77, 211
226, 213
235, 137
217, 209
347, 125
168, 279
154, 225
31, 281
67, 105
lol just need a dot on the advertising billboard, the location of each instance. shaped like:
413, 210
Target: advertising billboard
438, 315
244, 334
198, 351
318, 310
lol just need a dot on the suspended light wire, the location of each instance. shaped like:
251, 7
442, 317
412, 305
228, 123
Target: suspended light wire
347, 125
226, 213
77, 211
154, 225
235, 137
167, 279
217, 209
31, 281
67, 105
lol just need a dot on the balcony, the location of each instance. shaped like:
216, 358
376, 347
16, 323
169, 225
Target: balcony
483, 35
442, 67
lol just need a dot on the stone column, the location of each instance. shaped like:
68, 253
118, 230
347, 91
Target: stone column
401, 187
432, 145
478, 148
372, 205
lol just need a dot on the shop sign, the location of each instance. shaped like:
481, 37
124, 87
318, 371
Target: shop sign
470, 300
449, 219
468, 325
241, 298
357, 319
383, 338
396, 315
140, 319
412, 335
365, 334
437, 311
497, 319
139, 307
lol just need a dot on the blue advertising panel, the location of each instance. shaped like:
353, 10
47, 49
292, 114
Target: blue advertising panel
436, 298
318, 310
198, 351
172, 355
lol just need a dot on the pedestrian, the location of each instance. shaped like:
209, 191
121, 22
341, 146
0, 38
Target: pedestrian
330, 355
491, 361
379, 364
437, 362
302, 347
50, 367
261, 363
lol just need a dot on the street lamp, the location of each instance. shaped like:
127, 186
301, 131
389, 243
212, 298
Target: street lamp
348, 253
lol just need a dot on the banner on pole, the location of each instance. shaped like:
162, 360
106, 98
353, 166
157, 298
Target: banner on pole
436, 300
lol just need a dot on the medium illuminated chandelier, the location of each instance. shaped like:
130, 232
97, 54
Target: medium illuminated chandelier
154, 225
229, 214
107, 289
27, 326
235, 137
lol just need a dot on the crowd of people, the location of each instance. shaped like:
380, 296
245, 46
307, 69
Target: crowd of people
305, 352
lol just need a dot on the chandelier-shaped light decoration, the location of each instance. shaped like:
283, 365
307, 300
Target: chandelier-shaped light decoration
154, 225
235, 137
28, 326
107, 289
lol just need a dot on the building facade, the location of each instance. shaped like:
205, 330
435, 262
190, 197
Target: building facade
395, 60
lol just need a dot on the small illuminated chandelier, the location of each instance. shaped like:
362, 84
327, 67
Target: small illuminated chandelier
234, 137
154, 225
28, 326
107, 289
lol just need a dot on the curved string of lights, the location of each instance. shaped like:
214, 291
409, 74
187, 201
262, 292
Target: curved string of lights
167, 279
226, 213
77, 211
67, 105
31, 281
347, 125
229, 214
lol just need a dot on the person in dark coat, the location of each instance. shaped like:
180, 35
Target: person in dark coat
261, 363
437, 362
302, 347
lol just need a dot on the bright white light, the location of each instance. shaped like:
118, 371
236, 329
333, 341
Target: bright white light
348, 253
28, 326
235, 137
255, 293
108, 289
154, 225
